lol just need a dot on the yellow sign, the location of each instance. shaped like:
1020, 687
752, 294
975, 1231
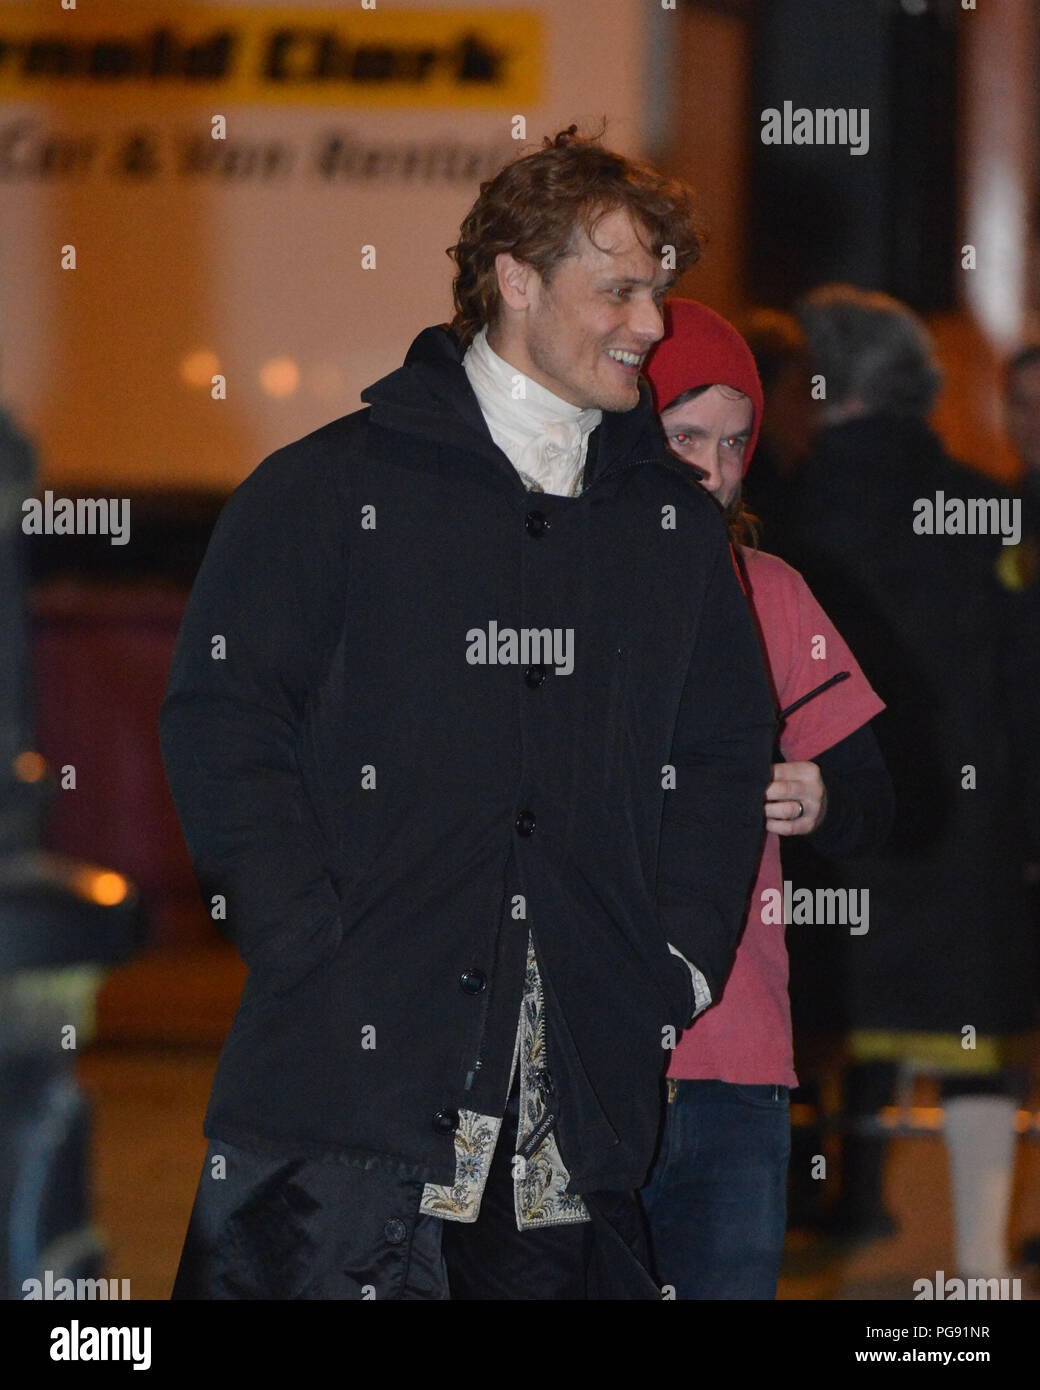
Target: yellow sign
115, 53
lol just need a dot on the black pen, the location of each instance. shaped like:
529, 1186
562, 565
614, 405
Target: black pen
841, 676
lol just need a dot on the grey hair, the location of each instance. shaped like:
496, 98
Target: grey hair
871, 346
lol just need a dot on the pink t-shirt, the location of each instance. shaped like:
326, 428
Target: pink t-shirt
745, 1037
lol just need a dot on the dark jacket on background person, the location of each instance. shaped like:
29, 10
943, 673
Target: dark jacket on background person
956, 659
386, 819
18, 815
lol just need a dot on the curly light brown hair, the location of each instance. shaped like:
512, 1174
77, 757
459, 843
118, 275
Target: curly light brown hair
532, 207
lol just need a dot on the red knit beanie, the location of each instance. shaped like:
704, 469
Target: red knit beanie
701, 348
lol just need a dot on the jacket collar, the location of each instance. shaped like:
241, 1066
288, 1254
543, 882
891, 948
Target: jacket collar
430, 396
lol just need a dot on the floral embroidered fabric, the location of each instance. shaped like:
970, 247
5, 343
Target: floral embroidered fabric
539, 1180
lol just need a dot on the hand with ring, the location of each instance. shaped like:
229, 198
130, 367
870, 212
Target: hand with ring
796, 799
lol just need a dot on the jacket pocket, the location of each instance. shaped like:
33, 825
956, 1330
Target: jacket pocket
280, 975
761, 1097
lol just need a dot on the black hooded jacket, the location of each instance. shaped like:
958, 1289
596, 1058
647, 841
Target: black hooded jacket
383, 820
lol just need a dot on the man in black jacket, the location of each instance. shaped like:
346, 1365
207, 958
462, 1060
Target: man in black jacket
476, 776
906, 548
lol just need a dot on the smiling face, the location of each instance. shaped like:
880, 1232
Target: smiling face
711, 431
583, 333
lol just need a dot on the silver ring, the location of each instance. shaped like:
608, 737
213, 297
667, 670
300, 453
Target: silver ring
801, 812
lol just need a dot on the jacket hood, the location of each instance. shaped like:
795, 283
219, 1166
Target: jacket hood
430, 396
701, 348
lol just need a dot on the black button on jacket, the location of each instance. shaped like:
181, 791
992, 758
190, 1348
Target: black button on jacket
351, 784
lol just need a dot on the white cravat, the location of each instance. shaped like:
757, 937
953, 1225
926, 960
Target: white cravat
545, 438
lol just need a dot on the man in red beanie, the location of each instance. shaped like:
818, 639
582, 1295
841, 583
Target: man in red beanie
716, 1199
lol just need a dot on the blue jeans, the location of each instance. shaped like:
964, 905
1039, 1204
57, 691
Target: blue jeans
716, 1200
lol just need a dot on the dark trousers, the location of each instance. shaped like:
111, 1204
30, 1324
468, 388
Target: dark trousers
490, 1259
272, 1228
716, 1199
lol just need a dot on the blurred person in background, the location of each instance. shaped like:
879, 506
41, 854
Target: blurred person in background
18, 804
54, 951
1022, 562
777, 344
944, 979
716, 1197
1022, 416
